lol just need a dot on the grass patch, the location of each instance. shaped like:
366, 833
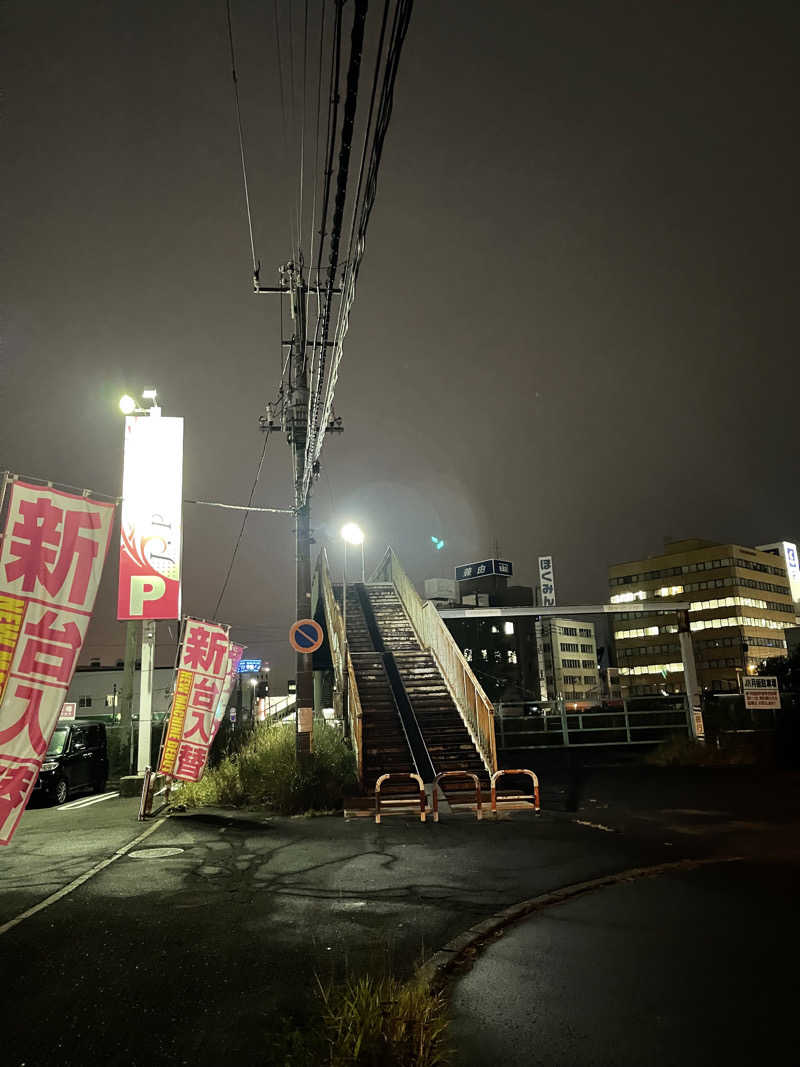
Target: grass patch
365, 1022
684, 752
381, 1021
266, 772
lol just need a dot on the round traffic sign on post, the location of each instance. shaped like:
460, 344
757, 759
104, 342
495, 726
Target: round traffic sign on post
306, 635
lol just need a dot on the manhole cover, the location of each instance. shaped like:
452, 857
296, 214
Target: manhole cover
154, 853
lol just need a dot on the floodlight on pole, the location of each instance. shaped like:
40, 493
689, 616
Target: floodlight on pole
127, 405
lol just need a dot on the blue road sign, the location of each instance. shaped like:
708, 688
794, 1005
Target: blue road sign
486, 566
306, 635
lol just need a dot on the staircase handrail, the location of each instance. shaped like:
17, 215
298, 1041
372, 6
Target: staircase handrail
342, 663
468, 696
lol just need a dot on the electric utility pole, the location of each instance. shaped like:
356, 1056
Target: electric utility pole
294, 421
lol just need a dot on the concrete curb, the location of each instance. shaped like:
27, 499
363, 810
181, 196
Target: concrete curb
436, 970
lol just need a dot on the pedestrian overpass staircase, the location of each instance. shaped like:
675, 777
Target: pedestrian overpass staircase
410, 699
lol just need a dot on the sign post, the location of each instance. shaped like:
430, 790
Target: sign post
305, 637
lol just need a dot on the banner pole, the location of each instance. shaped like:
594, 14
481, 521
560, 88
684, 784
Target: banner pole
146, 695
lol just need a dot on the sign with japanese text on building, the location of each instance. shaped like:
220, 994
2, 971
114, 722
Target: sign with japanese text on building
150, 543
547, 584
202, 669
486, 566
234, 659
248, 666
761, 692
53, 552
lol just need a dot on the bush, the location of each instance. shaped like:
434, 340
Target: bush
265, 771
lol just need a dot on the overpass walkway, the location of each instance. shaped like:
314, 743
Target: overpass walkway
410, 700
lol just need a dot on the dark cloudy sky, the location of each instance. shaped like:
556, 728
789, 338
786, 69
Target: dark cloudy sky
575, 321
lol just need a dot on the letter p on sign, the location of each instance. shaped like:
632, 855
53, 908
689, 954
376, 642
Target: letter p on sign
144, 588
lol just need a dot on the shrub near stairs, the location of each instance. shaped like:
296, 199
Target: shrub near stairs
265, 772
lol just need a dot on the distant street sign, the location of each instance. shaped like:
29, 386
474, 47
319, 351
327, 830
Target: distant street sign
480, 570
68, 711
249, 666
306, 635
761, 692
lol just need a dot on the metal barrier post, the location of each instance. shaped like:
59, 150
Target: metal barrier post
457, 774
516, 796
627, 721
562, 708
399, 774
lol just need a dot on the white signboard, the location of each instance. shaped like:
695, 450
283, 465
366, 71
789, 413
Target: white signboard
68, 711
150, 546
547, 583
761, 692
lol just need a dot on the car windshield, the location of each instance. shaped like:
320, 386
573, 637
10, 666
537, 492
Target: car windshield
57, 741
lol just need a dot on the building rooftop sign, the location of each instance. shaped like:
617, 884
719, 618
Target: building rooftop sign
248, 666
484, 568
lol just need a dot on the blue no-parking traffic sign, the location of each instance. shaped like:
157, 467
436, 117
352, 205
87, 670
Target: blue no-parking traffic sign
306, 635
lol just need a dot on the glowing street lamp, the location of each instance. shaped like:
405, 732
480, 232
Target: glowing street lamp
353, 535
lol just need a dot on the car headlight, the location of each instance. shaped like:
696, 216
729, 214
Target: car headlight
49, 765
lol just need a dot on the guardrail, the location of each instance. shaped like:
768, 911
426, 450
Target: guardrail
554, 726
473, 705
342, 663
457, 774
399, 805
516, 801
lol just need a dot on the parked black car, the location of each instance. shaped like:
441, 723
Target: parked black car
76, 761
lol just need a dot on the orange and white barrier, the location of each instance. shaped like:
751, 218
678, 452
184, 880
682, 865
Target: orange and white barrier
518, 801
399, 805
457, 774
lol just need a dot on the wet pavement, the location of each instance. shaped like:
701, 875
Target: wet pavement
696, 967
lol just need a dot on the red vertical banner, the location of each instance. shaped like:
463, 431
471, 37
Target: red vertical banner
52, 557
234, 658
202, 669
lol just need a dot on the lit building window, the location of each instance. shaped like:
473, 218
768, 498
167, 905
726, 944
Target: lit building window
508, 628
626, 598
654, 668
512, 656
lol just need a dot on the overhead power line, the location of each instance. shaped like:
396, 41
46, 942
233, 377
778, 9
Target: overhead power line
244, 523
241, 136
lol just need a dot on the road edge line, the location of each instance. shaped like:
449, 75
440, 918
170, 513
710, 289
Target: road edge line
435, 970
79, 881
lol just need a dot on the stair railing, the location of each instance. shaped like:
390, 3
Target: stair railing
344, 674
468, 696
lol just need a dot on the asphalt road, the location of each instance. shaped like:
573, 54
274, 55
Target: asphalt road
690, 968
200, 954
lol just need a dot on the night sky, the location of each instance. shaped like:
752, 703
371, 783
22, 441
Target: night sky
574, 323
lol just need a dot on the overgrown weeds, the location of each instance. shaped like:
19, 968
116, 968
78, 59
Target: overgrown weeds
266, 771
381, 1021
685, 752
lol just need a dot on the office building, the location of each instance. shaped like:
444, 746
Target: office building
740, 605
568, 653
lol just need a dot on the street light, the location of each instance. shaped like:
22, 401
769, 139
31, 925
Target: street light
128, 406
353, 535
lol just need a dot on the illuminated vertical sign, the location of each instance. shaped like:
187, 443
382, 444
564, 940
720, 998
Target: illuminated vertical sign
150, 542
547, 583
52, 558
